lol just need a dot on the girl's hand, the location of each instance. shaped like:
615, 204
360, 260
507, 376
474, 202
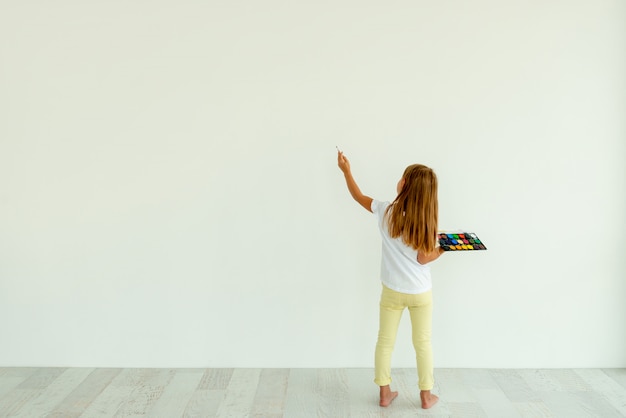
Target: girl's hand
343, 163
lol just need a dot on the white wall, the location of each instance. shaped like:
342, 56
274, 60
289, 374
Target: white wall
169, 194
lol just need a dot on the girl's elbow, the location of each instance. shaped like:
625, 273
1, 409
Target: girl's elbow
427, 258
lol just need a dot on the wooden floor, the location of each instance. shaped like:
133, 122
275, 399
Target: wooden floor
501, 393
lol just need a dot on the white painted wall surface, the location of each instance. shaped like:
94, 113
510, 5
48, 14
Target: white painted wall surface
169, 194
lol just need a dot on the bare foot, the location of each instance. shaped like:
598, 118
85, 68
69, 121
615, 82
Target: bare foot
387, 396
428, 399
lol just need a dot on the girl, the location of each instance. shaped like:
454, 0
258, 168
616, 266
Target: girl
408, 228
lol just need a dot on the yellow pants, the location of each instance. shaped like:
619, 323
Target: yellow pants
392, 304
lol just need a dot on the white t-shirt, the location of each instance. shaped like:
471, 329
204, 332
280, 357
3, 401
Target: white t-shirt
399, 269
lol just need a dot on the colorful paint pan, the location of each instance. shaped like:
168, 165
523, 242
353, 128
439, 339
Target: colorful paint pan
460, 241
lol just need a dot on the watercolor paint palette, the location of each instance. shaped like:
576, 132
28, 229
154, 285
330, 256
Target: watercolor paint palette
460, 241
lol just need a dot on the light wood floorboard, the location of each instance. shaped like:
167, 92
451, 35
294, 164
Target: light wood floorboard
83, 394
240, 393
52, 395
267, 393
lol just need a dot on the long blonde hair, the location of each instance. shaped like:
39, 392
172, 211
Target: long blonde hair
414, 214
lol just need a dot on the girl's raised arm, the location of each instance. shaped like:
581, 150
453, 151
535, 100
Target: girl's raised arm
353, 188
